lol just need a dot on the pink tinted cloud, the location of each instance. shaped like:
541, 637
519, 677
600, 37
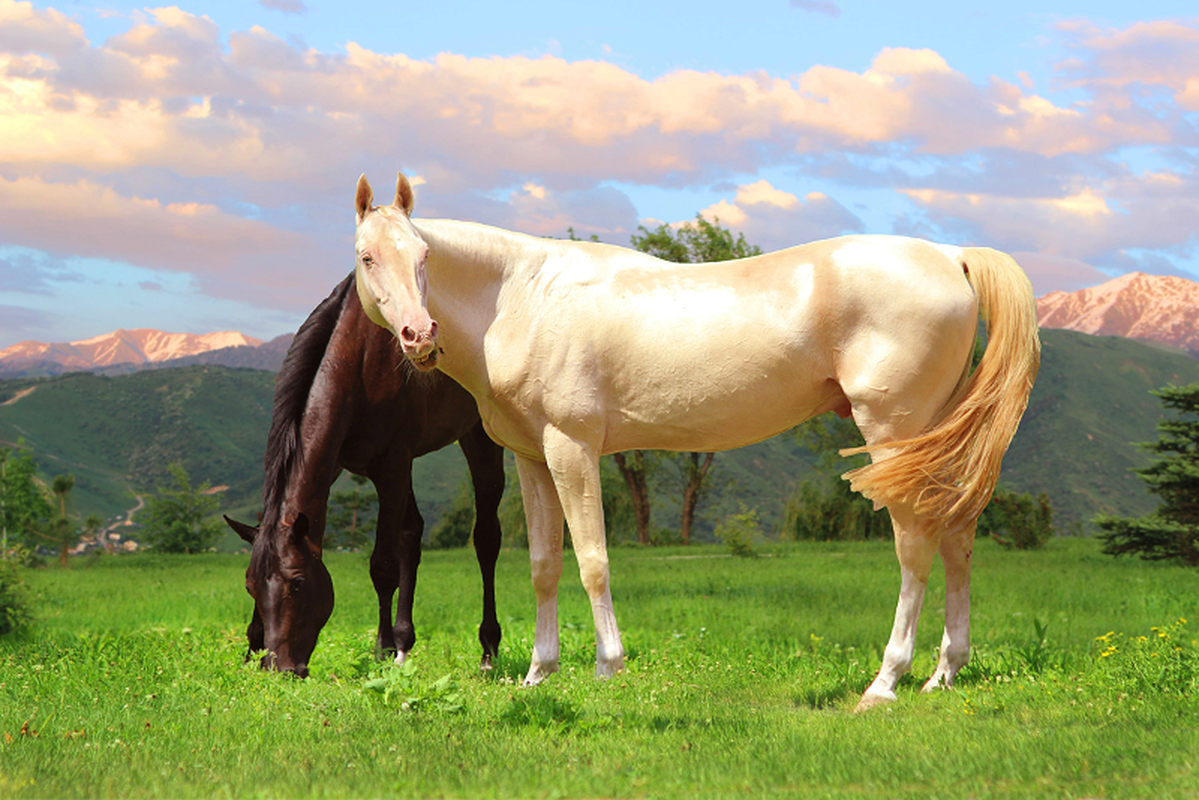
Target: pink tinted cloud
263, 108
274, 126
774, 219
90, 220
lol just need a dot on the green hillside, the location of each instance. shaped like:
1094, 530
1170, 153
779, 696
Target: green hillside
117, 435
1090, 403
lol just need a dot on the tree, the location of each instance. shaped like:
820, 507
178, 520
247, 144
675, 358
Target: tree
62, 486
1017, 521
457, 523
635, 467
1172, 532
694, 242
696, 467
349, 514
61, 531
827, 509
23, 503
178, 517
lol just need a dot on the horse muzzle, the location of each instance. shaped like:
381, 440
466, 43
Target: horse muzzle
420, 347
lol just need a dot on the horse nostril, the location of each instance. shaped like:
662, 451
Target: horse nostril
408, 335
432, 329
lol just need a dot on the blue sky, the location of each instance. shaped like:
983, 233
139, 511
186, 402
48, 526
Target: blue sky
191, 168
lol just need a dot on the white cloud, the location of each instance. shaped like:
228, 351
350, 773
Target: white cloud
172, 144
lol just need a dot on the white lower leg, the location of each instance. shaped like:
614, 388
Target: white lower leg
544, 515
955, 644
609, 652
901, 647
545, 642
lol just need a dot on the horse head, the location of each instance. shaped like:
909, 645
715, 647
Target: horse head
390, 272
292, 591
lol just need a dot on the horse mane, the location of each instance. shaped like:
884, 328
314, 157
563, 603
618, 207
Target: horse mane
292, 386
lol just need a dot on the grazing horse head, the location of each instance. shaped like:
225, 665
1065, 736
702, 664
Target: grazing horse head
391, 272
292, 591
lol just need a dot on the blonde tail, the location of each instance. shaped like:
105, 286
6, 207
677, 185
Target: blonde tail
950, 470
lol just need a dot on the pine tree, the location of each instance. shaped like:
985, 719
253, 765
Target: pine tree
1172, 532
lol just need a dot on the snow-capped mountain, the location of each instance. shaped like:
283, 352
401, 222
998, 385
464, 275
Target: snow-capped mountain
1157, 308
140, 346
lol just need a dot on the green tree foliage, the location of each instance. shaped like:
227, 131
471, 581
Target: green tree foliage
16, 601
178, 518
351, 514
62, 486
455, 526
694, 242
826, 509
23, 503
1172, 532
1017, 521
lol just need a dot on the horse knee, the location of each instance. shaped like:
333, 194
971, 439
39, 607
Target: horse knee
595, 578
546, 572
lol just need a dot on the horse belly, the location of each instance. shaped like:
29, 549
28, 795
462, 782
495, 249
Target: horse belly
718, 402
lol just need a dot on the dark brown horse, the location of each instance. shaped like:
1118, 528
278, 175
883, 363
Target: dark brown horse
328, 417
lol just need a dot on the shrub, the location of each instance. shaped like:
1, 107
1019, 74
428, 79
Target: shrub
16, 601
1017, 521
738, 532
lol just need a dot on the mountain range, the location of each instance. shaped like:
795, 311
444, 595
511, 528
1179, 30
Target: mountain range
125, 351
1158, 309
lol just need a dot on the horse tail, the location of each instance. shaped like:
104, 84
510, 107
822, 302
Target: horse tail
951, 469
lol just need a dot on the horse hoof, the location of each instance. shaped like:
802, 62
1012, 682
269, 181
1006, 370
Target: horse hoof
485, 665
606, 669
936, 683
539, 672
871, 699
401, 657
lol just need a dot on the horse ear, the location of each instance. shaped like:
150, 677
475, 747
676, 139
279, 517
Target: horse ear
243, 530
301, 534
405, 198
363, 197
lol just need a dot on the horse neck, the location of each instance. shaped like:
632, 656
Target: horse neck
305, 468
469, 266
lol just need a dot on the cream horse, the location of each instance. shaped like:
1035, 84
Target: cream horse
575, 349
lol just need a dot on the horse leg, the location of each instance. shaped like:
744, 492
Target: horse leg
575, 468
409, 561
956, 550
915, 545
386, 561
543, 512
486, 461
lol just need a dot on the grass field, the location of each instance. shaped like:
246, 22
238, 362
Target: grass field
741, 680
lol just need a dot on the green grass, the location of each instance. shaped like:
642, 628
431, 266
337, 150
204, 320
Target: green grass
741, 680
